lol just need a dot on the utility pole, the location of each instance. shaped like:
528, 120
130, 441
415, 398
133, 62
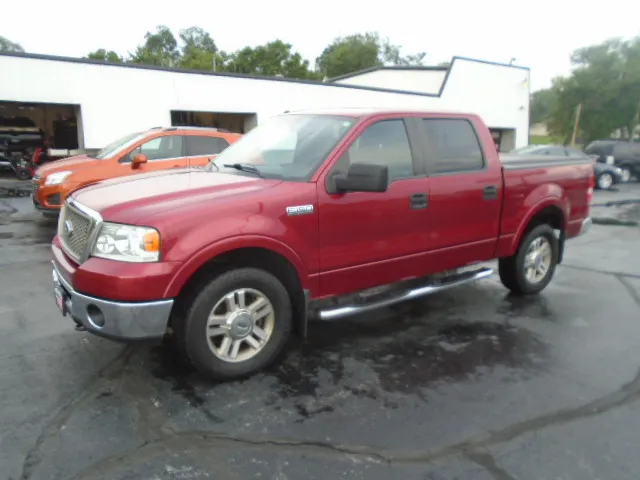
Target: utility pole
576, 122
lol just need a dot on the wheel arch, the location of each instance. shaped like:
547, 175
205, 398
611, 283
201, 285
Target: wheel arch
259, 252
549, 211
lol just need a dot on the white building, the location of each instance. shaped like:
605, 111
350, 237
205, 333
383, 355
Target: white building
96, 102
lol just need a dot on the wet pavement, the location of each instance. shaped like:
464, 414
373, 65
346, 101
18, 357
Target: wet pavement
466, 384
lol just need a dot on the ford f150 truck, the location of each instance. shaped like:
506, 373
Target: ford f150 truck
311, 215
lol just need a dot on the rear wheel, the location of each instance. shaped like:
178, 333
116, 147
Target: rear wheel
604, 181
238, 324
531, 269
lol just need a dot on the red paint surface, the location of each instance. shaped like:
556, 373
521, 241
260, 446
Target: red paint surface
350, 242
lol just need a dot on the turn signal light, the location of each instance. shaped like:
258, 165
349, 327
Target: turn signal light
151, 242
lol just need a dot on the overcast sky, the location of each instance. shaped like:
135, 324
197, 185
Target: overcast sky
539, 34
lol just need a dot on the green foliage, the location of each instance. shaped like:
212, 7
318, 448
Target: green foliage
198, 49
8, 46
545, 140
195, 49
160, 48
541, 104
275, 58
361, 51
606, 82
105, 56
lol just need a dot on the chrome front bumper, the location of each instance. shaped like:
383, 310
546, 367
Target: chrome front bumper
115, 320
586, 226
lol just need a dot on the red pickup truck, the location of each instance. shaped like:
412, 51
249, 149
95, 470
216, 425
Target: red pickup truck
311, 215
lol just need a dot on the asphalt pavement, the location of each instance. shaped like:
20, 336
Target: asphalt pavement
466, 384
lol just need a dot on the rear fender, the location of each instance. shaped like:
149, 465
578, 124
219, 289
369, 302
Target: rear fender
542, 197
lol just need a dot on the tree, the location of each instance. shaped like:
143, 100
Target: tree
160, 48
361, 51
105, 56
349, 54
198, 49
606, 81
8, 46
275, 58
540, 105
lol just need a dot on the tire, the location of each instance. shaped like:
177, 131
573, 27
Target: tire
512, 269
238, 327
23, 174
604, 181
626, 175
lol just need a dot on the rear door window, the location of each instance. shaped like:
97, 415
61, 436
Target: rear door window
454, 145
201, 145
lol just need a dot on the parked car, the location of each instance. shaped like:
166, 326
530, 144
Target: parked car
623, 154
135, 153
311, 216
606, 175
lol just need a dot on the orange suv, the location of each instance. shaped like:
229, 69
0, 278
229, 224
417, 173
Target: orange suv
140, 152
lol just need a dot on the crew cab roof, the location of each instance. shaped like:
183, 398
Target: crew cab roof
359, 112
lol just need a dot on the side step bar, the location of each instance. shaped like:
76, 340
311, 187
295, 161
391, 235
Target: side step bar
334, 313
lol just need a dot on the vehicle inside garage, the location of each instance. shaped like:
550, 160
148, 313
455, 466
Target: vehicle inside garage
233, 122
32, 133
58, 122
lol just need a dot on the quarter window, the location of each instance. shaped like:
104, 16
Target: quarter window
454, 144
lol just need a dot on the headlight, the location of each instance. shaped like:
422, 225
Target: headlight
127, 243
57, 178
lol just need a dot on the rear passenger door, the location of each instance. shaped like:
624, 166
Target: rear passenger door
465, 193
201, 148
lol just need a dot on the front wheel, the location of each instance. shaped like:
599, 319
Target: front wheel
531, 269
238, 324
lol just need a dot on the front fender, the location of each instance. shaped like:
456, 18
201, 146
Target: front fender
220, 247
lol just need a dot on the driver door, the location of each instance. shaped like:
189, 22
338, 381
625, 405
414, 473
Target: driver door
163, 153
374, 238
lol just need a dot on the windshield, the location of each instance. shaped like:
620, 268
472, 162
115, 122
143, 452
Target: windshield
118, 145
290, 146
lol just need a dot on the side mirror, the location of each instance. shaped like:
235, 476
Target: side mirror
363, 177
138, 160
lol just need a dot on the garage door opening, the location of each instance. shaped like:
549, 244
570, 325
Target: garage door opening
59, 124
233, 122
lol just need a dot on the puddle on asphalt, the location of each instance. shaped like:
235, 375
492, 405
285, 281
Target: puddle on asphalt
385, 359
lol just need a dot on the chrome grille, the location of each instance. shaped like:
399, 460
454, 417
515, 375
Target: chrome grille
75, 229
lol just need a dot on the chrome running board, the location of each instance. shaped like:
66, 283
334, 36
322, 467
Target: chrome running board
334, 313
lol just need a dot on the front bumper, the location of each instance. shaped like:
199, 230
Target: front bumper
122, 321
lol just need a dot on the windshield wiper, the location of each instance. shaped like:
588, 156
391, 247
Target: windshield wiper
243, 167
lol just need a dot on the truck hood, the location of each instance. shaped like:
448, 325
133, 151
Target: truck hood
135, 199
72, 163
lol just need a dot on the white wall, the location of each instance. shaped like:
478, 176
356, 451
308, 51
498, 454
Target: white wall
423, 81
117, 100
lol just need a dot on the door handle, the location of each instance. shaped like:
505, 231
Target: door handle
490, 192
418, 201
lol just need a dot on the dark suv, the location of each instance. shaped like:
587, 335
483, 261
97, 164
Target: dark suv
623, 154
